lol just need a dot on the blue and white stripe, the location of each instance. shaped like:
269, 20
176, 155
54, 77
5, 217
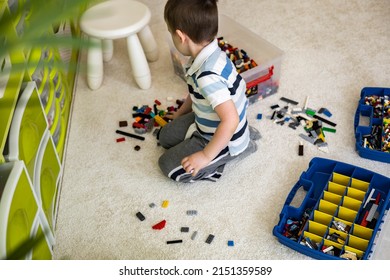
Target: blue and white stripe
213, 80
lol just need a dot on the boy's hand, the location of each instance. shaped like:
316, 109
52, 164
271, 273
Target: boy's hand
172, 115
195, 162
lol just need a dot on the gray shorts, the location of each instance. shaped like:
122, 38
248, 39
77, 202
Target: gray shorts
173, 138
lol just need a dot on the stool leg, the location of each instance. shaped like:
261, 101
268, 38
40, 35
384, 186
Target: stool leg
95, 64
138, 62
148, 43
108, 49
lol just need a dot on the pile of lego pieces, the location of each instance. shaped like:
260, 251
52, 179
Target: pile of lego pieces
145, 119
240, 59
376, 102
308, 118
386, 136
379, 138
184, 229
294, 228
386, 125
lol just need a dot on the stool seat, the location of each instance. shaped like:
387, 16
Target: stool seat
110, 20
117, 19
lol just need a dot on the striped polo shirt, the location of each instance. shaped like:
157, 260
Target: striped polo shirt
212, 79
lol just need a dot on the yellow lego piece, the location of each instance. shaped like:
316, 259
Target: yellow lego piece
165, 204
160, 120
322, 136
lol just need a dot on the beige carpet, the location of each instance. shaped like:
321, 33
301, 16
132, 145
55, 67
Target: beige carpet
332, 50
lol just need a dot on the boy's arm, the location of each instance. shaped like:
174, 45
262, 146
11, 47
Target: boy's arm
228, 115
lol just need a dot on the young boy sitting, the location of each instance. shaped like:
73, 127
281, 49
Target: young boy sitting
211, 127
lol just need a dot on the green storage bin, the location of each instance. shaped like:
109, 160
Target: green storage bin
46, 178
18, 207
27, 128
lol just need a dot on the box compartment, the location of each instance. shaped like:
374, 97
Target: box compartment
372, 124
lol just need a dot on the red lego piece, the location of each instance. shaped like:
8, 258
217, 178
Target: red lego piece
159, 225
120, 139
147, 111
157, 102
138, 125
364, 221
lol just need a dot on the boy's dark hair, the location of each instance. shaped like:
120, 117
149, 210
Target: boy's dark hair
196, 18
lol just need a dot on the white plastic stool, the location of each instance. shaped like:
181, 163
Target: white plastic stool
116, 19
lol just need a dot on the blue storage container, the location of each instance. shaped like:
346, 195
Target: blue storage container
341, 214
373, 135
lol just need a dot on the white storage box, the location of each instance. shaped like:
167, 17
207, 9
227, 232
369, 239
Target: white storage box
262, 80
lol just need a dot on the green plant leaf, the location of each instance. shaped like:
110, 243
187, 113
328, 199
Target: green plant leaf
40, 17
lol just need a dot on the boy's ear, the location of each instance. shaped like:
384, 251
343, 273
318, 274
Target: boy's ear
181, 35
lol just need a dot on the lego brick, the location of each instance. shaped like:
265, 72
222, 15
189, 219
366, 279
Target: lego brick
120, 139
175, 241
140, 216
123, 123
328, 129
306, 103
130, 135
296, 110
140, 130
307, 138
192, 212
289, 101
324, 120
327, 113
194, 234
300, 150
165, 204
160, 225
209, 239
184, 229
230, 243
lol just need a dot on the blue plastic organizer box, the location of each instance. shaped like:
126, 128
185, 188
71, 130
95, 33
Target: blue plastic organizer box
341, 214
373, 137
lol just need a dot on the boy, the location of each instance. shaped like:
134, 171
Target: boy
210, 128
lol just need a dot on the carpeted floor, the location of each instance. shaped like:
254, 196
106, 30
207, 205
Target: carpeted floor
332, 49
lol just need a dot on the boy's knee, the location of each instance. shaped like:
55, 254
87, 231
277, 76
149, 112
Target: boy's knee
163, 138
163, 163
